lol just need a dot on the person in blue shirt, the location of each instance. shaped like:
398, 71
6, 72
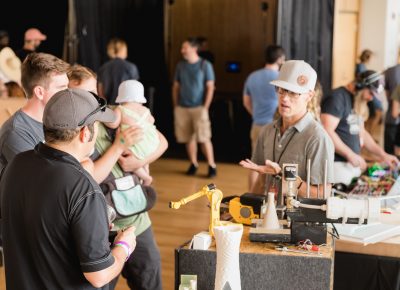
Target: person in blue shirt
192, 94
259, 96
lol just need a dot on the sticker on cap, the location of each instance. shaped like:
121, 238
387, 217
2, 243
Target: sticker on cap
302, 80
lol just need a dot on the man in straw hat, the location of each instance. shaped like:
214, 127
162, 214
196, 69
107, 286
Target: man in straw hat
10, 66
295, 137
58, 237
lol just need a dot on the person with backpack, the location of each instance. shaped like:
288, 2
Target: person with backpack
192, 94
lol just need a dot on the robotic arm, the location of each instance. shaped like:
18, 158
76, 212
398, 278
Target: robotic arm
214, 196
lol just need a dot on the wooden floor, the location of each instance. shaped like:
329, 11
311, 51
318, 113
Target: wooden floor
174, 227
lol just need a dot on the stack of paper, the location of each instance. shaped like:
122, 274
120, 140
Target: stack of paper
367, 234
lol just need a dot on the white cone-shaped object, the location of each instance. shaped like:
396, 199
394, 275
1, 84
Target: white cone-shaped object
228, 240
270, 221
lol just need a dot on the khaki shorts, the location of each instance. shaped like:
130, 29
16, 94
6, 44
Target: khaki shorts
192, 123
255, 130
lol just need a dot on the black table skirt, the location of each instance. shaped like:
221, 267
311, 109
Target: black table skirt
366, 272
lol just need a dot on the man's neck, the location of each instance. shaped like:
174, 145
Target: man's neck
68, 148
351, 88
34, 108
290, 121
29, 46
272, 66
193, 59
121, 55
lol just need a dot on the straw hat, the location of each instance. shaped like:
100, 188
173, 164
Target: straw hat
10, 65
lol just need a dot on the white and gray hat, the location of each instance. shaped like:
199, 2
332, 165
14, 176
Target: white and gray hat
296, 76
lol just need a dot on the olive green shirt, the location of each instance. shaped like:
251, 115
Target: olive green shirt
141, 221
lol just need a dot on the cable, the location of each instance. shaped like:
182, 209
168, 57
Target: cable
334, 233
340, 192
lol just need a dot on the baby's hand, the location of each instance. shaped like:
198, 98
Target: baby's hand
129, 136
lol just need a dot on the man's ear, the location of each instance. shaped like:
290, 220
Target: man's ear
84, 134
38, 91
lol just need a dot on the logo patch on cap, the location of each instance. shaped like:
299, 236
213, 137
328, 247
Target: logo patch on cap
302, 80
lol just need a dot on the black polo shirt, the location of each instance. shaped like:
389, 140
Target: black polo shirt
55, 223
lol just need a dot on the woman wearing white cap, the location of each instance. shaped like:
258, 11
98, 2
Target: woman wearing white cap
132, 112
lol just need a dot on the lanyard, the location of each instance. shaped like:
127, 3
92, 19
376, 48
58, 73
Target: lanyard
273, 186
284, 149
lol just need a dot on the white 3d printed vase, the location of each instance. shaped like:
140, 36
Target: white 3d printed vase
228, 239
271, 221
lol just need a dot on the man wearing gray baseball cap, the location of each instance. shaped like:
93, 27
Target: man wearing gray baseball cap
65, 243
295, 137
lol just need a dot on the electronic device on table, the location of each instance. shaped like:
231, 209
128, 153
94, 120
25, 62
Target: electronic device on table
307, 218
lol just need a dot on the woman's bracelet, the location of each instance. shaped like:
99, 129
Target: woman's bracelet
126, 247
301, 182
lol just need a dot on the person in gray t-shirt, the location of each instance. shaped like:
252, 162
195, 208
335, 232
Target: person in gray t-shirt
42, 76
18, 134
295, 137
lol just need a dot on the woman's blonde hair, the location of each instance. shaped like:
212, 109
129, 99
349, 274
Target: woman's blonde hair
115, 46
314, 105
79, 73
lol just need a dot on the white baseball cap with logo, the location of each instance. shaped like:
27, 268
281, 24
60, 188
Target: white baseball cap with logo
131, 91
296, 76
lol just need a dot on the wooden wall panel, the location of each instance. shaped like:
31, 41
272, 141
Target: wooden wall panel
345, 39
350, 5
237, 30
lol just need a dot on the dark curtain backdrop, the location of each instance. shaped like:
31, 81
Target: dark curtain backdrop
305, 30
141, 24
18, 16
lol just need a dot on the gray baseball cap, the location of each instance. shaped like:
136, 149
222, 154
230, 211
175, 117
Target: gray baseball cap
74, 108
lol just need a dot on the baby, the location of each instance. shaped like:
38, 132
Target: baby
131, 111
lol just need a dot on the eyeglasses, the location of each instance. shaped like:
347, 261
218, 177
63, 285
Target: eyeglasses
283, 92
102, 107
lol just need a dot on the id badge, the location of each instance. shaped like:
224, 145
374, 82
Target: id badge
354, 122
125, 182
